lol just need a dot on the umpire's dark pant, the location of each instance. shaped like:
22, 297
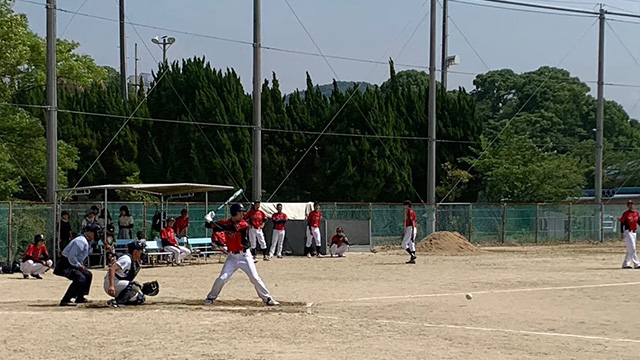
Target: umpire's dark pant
80, 285
80, 279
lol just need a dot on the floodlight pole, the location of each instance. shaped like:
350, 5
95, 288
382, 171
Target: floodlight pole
600, 119
445, 46
257, 104
431, 120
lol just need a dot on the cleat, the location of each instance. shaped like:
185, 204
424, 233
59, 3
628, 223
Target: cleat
83, 301
627, 267
320, 255
209, 302
309, 255
25, 276
112, 303
37, 276
280, 256
271, 302
266, 258
67, 303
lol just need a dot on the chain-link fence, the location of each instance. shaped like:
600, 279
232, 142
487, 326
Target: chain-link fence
480, 223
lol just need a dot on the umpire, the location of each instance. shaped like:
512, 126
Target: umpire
71, 266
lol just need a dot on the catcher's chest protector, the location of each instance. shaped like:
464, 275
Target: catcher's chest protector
133, 270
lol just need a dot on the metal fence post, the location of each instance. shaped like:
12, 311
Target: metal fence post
504, 222
569, 225
470, 220
601, 232
9, 221
436, 217
335, 210
535, 239
144, 219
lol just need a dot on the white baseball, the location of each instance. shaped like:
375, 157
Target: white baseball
469, 296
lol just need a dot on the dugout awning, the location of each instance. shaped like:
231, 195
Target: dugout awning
157, 189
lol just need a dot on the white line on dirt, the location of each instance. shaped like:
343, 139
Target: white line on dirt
522, 332
488, 292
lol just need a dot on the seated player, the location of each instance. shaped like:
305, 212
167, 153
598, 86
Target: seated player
119, 281
339, 243
170, 244
35, 261
238, 257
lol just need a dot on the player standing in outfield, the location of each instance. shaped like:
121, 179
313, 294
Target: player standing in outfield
279, 220
410, 232
313, 231
628, 227
257, 219
238, 257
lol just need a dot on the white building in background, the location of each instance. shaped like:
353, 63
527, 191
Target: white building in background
146, 77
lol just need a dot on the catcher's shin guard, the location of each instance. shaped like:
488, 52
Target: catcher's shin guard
131, 295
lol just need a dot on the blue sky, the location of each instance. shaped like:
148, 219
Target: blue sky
369, 29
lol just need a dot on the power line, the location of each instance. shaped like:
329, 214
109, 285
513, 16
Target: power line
519, 10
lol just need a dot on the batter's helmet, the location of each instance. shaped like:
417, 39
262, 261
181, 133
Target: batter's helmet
236, 208
38, 238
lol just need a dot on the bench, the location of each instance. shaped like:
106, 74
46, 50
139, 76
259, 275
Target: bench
204, 247
154, 251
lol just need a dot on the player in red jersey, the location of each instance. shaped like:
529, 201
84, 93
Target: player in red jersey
339, 243
257, 219
181, 227
628, 227
170, 244
238, 257
35, 261
410, 232
313, 231
279, 220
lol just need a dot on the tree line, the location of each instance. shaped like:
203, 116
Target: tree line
515, 137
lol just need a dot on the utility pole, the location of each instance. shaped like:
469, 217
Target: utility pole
52, 105
445, 43
257, 103
123, 53
431, 120
600, 118
135, 66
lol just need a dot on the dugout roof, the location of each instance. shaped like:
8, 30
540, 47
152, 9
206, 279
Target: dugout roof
157, 189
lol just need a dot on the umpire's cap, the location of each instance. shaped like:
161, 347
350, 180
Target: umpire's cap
94, 228
135, 245
236, 208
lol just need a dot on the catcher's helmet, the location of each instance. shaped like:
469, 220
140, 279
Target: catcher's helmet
236, 208
135, 245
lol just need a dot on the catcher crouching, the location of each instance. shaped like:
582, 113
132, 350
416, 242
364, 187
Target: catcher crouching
119, 281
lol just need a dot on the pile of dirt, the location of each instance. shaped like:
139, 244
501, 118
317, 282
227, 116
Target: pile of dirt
445, 242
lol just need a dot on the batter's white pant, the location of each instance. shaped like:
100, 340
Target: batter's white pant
256, 235
277, 240
409, 240
244, 262
118, 284
631, 256
30, 267
178, 252
314, 233
338, 250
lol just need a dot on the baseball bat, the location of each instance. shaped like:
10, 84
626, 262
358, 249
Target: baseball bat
233, 197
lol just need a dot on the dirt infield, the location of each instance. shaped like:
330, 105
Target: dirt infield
562, 302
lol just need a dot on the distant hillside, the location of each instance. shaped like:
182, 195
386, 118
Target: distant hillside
326, 89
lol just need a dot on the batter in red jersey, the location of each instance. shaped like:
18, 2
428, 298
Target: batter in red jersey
236, 229
410, 232
313, 231
628, 227
257, 219
279, 220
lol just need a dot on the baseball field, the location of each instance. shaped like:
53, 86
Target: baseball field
556, 302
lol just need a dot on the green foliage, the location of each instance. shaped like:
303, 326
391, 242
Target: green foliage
514, 169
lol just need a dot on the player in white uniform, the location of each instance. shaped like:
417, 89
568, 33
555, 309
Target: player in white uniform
119, 280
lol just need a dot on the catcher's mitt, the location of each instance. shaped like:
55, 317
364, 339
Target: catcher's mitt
151, 288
